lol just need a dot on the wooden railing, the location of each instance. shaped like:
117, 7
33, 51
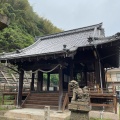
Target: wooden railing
9, 101
13, 87
107, 94
103, 90
11, 90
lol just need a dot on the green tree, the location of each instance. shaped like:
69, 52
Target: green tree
24, 25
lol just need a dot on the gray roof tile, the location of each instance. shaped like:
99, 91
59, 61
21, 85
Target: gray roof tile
54, 43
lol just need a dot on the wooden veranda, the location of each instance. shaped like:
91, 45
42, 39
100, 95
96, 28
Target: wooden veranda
100, 98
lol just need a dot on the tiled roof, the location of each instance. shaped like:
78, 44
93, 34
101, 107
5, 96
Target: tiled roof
54, 43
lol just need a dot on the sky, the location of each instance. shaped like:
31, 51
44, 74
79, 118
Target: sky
72, 14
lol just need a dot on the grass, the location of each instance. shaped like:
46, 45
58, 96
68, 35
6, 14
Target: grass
8, 100
6, 103
3, 108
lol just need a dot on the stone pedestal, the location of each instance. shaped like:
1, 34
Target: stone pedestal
79, 111
79, 115
79, 105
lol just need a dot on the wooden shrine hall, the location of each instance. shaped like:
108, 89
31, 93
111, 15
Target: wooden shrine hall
81, 54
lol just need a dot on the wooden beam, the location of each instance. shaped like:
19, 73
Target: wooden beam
36, 65
20, 87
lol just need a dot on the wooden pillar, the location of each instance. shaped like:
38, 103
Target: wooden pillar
20, 87
115, 104
103, 76
88, 79
71, 71
60, 88
97, 72
48, 81
40, 81
85, 77
32, 82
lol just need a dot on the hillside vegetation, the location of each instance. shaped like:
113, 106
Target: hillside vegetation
24, 25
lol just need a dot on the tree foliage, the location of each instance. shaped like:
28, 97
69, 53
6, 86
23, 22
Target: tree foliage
54, 79
24, 25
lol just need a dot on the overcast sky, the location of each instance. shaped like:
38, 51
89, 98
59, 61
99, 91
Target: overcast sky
71, 14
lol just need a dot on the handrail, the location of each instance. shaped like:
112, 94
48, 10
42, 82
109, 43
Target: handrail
25, 99
103, 90
12, 87
65, 103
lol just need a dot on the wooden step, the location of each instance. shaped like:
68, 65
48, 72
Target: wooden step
44, 98
42, 102
39, 106
45, 95
39, 100
42, 94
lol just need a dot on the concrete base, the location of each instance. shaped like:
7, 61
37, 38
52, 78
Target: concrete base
36, 114
103, 115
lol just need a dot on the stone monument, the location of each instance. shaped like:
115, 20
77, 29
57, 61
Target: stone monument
79, 105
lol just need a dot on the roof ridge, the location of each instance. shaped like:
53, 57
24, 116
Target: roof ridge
71, 31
